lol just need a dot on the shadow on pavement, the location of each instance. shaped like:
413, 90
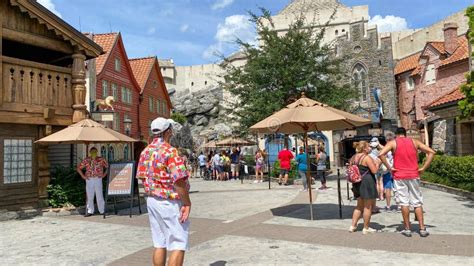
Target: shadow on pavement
324, 211
466, 202
219, 263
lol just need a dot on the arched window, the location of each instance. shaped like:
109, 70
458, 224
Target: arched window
111, 155
359, 79
125, 152
103, 152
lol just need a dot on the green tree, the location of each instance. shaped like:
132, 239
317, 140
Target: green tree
281, 68
179, 117
466, 106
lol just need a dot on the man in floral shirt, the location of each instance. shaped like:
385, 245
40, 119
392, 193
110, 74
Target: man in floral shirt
165, 179
96, 169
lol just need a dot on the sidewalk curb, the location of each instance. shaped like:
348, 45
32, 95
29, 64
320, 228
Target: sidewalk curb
451, 190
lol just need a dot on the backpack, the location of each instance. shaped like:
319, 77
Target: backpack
352, 171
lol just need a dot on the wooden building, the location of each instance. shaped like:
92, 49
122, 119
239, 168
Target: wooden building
41, 91
110, 74
154, 99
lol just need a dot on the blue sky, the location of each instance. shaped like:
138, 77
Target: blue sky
190, 31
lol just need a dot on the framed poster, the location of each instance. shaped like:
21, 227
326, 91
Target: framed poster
120, 179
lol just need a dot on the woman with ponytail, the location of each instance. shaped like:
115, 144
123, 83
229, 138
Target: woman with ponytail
366, 190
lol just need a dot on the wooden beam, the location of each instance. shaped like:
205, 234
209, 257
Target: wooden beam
34, 109
37, 40
21, 62
33, 119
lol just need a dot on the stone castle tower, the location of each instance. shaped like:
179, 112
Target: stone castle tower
368, 64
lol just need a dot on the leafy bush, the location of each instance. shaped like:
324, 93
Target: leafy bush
249, 159
452, 171
293, 172
66, 188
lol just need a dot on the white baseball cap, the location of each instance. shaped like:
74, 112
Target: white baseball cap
160, 125
374, 142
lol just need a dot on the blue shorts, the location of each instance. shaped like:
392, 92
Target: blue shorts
219, 168
387, 180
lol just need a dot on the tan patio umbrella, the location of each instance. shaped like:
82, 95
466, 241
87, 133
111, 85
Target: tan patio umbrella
234, 141
85, 131
207, 145
306, 115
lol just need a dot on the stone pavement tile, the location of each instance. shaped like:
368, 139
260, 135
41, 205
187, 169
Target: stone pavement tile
50, 241
238, 250
444, 213
435, 244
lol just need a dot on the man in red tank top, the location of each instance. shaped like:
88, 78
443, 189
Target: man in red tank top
406, 176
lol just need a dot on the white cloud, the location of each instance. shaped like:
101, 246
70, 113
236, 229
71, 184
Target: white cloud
234, 27
389, 23
50, 5
184, 28
151, 30
219, 4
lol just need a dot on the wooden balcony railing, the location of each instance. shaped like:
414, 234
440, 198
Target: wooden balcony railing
27, 83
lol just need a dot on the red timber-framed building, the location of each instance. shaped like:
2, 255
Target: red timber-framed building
114, 77
42, 90
428, 85
154, 98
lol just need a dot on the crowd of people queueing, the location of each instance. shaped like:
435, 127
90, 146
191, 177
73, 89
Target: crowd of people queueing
220, 165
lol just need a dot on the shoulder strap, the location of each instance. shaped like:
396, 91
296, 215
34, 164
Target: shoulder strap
361, 158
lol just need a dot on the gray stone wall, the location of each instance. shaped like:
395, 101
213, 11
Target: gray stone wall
204, 111
378, 61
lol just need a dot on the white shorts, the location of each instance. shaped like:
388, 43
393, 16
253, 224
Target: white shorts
407, 192
166, 230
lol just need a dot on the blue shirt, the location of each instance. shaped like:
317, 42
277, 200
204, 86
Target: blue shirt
301, 160
234, 157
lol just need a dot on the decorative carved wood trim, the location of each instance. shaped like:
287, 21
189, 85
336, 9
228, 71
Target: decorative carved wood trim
59, 26
78, 87
37, 40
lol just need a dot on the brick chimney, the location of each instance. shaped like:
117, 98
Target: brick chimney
450, 37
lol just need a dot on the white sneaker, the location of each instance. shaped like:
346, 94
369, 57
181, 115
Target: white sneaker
255, 181
368, 231
261, 181
352, 229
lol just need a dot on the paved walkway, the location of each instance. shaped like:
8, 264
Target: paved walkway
235, 223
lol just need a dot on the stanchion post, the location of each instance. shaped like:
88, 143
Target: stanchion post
347, 188
339, 193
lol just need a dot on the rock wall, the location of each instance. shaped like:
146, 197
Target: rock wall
204, 111
444, 136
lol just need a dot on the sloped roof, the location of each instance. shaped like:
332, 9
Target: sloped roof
439, 46
461, 52
452, 96
408, 63
106, 41
60, 27
141, 68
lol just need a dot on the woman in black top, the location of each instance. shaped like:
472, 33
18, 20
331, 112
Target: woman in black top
366, 190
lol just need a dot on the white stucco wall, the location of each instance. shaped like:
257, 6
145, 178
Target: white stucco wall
416, 41
320, 16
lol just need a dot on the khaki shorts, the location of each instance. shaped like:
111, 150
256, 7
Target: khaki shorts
407, 192
234, 167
